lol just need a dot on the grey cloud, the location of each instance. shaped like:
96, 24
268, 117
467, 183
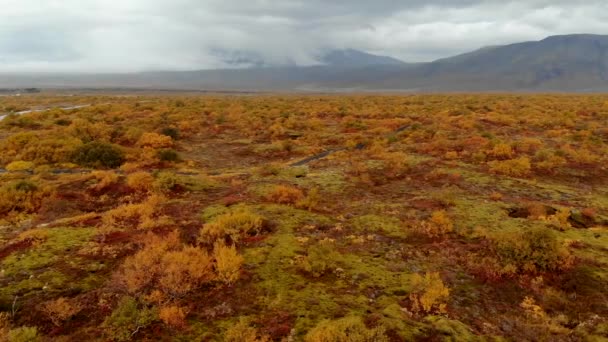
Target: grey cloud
132, 35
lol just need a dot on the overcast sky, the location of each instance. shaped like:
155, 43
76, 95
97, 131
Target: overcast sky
133, 35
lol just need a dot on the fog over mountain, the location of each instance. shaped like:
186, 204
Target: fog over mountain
558, 63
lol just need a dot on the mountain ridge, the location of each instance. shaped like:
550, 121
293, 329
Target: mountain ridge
577, 62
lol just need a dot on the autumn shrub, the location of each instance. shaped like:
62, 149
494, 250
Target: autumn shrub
232, 226
104, 179
185, 270
128, 319
429, 294
60, 310
244, 332
165, 264
173, 315
167, 181
320, 259
531, 250
548, 161
311, 201
5, 326
396, 164
227, 262
501, 151
87, 131
347, 329
20, 165
512, 167
284, 194
155, 140
50, 150
22, 197
140, 270
144, 215
140, 181
98, 155
23, 334
438, 225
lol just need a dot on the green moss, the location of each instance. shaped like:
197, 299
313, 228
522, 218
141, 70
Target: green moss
389, 226
214, 210
59, 241
451, 330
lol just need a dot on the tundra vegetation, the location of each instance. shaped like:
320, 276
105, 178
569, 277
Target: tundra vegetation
462, 217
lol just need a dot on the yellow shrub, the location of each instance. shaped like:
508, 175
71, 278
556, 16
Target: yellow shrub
231, 226
438, 225
22, 197
136, 215
88, 131
532, 310
155, 140
429, 294
20, 165
501, 151
104, 179
140, 181
242, 332
227, 262
512, 167
311, 201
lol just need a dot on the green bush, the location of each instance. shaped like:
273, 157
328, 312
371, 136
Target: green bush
531, 250
168, 155
97, 154
170, 132
321, 258
127, 319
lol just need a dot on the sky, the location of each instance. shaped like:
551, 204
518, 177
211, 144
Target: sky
139, 35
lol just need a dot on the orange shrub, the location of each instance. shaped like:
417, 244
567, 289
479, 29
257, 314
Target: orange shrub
512, 167
173, 315
185, 270
165, 264
501, 151
104, 179
142, 215
60, 310
140, 181
284, 194
155, 140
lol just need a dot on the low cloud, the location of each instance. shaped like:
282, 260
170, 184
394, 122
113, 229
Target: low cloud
135, 35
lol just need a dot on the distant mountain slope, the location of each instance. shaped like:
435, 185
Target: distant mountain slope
559, 63
355, 58
569, 63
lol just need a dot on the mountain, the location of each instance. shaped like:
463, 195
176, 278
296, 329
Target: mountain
557, 63
575, 63
355, 58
